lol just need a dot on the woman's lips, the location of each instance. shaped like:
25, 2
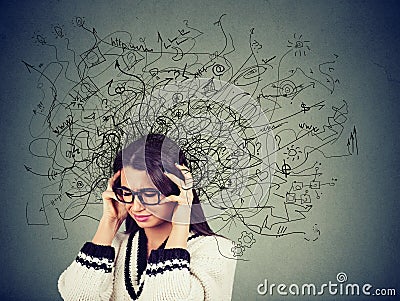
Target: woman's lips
141, 218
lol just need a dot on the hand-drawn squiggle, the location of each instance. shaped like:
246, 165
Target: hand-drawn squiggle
258, 129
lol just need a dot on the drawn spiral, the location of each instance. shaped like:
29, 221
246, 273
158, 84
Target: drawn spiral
80, 121
341, 277
218, 69
287, 88
218, 128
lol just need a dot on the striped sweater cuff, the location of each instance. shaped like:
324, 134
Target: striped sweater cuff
97, 257
162, 260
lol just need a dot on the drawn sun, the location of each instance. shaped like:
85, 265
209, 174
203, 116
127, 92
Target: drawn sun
300, 46
293, 153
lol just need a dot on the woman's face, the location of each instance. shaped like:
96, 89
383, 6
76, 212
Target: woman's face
145, 216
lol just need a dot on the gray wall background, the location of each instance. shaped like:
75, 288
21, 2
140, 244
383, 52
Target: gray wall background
358, 220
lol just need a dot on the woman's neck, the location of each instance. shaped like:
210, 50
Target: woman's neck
157, 235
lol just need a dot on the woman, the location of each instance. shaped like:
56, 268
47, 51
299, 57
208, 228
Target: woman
168, 251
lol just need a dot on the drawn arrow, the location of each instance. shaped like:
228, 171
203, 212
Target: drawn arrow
118, 66
50, 174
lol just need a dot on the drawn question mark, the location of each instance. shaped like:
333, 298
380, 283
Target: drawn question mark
59, 31
79, 21
279, 142
258, 146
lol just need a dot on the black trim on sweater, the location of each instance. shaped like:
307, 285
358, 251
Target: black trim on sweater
141, 254
157, 256
94, 265
141, 263
169, 267
128, 282
98, 251
101, 253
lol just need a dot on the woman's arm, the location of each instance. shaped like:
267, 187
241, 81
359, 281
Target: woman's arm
174, 274
90, 277
114, 214
207, 273
180, 220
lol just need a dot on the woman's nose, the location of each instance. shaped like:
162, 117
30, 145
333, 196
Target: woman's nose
136, 205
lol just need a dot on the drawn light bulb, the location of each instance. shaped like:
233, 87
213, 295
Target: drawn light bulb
293, 152
299, 45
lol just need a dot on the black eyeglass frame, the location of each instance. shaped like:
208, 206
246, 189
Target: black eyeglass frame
139, 195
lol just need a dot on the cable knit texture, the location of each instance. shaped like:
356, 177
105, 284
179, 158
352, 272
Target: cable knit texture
203, 271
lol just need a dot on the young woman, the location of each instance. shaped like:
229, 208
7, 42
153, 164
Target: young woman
168, 251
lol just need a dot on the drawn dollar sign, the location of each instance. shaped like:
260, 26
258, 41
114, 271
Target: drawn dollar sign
286, 169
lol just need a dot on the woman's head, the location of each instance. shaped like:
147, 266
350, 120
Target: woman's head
142, 164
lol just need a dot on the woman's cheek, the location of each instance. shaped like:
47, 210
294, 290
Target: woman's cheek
163, 211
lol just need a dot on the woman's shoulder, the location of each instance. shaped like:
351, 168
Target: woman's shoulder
210, 246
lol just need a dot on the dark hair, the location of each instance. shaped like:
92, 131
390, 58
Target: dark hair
156, 153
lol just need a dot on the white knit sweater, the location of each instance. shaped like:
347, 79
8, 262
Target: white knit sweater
203, 271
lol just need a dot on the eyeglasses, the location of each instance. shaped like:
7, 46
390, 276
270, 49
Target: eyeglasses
147, 196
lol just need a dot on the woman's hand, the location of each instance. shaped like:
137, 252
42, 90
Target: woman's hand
181, 214
114, 213
112, 209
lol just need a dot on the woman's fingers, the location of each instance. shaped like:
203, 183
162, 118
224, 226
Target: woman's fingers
113, 179
175, 179
187, 183
111, 207
108, 195
185, 186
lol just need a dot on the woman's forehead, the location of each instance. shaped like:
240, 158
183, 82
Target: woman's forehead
135, 179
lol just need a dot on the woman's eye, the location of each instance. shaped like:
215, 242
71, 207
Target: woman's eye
150, 194
127, 194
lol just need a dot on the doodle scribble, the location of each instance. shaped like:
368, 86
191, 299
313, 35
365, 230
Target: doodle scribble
258, 129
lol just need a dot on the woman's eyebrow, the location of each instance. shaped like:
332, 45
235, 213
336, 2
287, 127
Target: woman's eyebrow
141, 189
148, 188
